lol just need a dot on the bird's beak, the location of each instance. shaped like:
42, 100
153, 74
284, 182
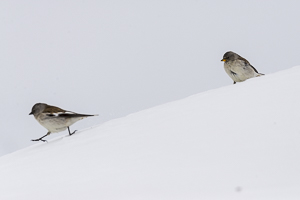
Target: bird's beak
30, 113
223, 60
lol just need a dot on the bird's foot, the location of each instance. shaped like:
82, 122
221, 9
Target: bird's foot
39, 140
72, 133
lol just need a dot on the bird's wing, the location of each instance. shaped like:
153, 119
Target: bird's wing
247, 63
53, 109
254, 69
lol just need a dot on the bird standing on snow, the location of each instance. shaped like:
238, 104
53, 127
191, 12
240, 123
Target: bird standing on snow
238, 68
55, 119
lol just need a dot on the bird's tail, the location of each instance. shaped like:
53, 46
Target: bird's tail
259, 74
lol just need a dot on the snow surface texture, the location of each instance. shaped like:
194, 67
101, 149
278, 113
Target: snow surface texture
236, 142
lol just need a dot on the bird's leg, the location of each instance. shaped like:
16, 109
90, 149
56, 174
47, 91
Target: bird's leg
41, 139
70, 132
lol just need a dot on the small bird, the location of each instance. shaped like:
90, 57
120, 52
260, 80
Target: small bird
55, 119
238, 68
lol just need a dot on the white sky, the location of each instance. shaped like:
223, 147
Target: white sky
113, 58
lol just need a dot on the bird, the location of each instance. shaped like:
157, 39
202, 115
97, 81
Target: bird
55, 119
238, 68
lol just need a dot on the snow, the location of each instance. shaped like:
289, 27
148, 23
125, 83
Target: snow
236, 142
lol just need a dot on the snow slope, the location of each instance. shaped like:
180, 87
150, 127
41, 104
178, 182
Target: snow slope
236, 142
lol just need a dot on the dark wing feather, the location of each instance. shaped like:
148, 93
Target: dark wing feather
254, 69
247, 62
72, 115
53, 109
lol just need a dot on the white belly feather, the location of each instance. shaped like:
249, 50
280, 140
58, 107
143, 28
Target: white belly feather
56, 124
239, 72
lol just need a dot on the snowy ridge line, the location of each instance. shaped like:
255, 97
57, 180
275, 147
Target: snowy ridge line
238, 142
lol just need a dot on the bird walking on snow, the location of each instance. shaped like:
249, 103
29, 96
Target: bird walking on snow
55, 119
238, 68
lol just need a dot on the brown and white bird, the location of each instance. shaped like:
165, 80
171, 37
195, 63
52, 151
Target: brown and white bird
238, 68
55, 119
